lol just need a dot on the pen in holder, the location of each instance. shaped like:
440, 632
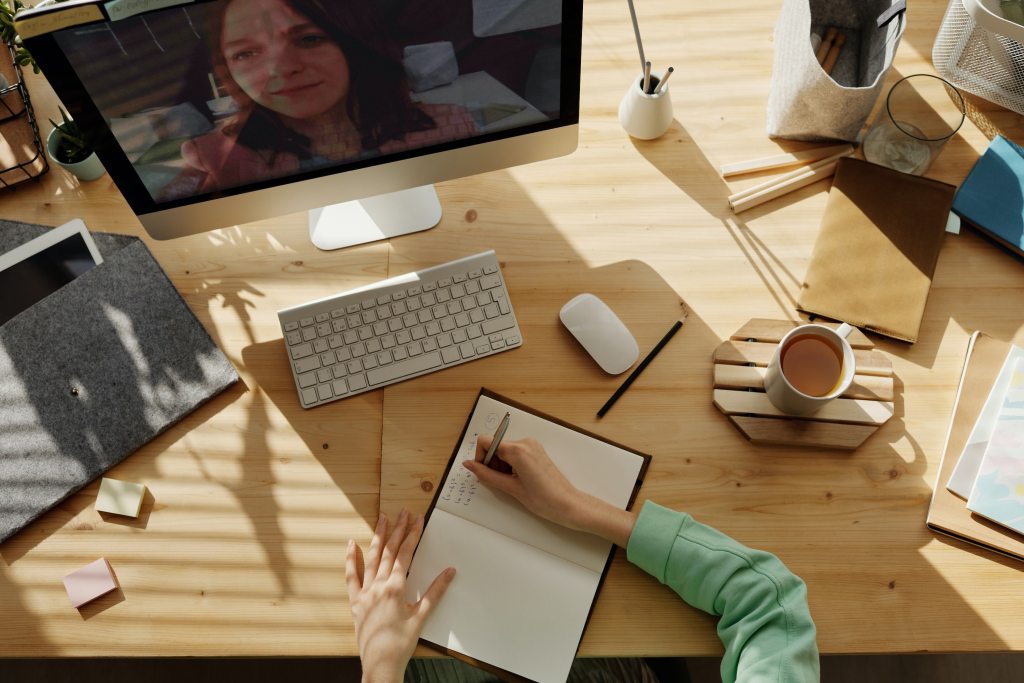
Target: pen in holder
646, 115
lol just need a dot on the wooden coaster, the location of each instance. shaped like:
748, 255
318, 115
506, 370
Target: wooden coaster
740, 366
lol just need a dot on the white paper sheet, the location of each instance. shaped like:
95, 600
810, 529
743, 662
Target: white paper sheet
509, 605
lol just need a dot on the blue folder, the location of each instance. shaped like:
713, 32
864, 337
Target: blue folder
991, 198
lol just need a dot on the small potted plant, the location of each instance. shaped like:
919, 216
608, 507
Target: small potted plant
69, 149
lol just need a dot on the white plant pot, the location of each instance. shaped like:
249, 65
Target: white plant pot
89, 169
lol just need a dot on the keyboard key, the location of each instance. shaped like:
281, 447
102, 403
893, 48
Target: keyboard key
454, 307
338, 313
459, 278
294, 338
323, 375
307, 321
425, 316
444, 340
418, 333
458, 291
339, 387
504, 307
324, 329
301, 351
490, 281
308, 333
488, 269
352, 308
505, 322
380, 328
444, 282
324, 390
320, 345
353, 321
395, 324
500, 344
466, 350
443, 295
339, 325
367, 304
475, 273
483, 348
407, 367
322, 317
358, 349
369, 317
459, 336
370, 362
473, 331
343, 354
468, 303
413, 304
357, 382
472, 287
483, 298
307, 364
400, 353
350, 337
388, 341
414, 349
334, 341
398, 308
354, 366
448, 324
491, 310
403, 337
398, 296
512, 339
429, 345
439, 311
339, 370
291, 327
433, 328
462, 319
373, 346
384, 357
477, 315
383, 313
414, 291
428, 299
451, 354
328, 358
429, 286
410, 320
307, 379
309, 396
383, 299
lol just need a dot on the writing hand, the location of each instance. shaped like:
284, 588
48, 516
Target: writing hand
387, 627
537, 483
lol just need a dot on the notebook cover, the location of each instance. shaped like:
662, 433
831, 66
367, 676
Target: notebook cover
948, 513
503, 673
880, 237
991, 198
94, 371
998, 492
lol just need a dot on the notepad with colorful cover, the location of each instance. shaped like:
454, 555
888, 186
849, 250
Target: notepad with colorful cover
991, 198
998, 492
947, 513
525, 586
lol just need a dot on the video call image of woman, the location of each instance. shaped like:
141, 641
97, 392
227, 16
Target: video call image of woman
315, 83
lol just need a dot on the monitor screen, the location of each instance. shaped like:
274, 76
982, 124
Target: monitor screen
210, 99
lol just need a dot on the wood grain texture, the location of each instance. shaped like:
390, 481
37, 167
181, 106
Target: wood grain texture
240, 550
760, 354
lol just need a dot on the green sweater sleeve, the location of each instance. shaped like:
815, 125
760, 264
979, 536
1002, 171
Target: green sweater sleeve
765, 623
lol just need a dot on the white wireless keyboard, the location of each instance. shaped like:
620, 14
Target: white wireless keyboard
399, 328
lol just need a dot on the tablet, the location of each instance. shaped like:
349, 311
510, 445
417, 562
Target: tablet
35, 270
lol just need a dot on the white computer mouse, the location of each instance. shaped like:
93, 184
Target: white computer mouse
600, 332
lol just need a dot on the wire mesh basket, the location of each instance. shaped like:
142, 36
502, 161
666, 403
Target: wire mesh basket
21, 147
979, 51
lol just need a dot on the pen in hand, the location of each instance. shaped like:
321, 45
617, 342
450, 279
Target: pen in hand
498, 435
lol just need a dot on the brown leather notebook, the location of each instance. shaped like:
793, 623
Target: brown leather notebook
948, 514
873, 263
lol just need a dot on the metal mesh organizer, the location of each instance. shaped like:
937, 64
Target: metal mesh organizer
21, 147
979, 51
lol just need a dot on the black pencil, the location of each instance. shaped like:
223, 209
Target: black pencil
640, 368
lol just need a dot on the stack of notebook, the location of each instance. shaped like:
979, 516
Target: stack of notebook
979, 495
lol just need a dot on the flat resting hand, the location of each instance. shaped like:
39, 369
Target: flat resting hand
387, 627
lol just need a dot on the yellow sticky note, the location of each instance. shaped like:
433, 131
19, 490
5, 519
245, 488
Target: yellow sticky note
120, 497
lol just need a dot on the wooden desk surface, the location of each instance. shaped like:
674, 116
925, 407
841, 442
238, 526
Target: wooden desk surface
239, 550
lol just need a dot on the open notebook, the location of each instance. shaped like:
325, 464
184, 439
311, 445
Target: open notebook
524, 586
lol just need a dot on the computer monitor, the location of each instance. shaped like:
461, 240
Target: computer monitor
211, 113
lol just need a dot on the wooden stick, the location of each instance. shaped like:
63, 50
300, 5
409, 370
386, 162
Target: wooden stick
769, 184
782, 160
826, 44
833, 53
808, 177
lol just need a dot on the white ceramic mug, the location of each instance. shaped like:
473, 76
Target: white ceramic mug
791, 400
645, 116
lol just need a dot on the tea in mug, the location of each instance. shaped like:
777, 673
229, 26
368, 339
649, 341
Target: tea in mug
812, 364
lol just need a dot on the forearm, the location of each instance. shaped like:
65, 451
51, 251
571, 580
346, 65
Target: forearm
597, 517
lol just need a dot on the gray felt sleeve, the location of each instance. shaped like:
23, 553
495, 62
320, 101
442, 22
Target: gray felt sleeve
805, 103
93, 372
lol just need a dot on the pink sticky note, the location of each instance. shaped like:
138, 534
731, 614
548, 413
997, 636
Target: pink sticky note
90, 582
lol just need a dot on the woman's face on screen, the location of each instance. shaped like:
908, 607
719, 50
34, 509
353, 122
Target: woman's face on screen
282, 60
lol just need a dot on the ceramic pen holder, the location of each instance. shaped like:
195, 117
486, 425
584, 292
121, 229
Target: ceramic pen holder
644, 115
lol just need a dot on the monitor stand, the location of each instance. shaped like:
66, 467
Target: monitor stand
374, 218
